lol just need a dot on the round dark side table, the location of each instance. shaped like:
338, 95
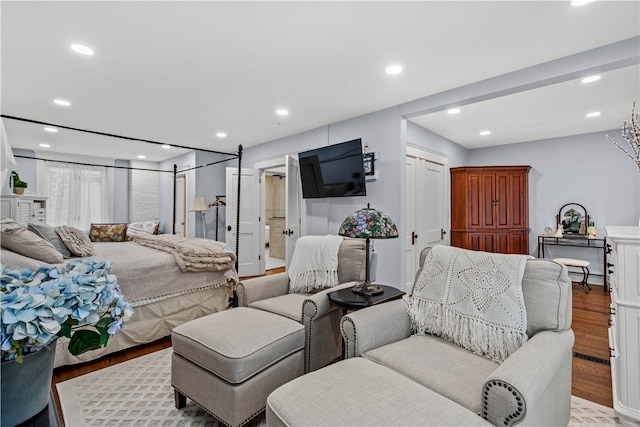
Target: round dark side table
348, 300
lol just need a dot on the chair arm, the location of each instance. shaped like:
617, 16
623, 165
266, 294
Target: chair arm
318, 304
533, 385
374, 327
263, 287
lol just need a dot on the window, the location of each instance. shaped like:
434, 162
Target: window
78, 195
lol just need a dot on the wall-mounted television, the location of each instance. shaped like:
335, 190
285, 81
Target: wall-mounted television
333, 171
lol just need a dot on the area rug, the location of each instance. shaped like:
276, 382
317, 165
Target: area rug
139, 393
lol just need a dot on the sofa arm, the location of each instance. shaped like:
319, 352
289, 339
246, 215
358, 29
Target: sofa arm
263, 287
533, 385
374, 327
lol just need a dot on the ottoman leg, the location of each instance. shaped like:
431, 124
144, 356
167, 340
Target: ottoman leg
180, 399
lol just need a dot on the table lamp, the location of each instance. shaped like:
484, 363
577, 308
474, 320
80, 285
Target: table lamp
368, 223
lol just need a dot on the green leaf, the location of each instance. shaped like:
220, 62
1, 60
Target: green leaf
65, 331
103, 323
83, 341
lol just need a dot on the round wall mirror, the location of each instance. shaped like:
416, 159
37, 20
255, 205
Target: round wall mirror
574, 218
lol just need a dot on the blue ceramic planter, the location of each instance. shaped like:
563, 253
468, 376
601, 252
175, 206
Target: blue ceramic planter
26, 386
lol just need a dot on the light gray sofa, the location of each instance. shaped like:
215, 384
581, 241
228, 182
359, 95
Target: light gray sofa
320, 318
392, 377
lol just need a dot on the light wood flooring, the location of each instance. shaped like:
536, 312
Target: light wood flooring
591, 376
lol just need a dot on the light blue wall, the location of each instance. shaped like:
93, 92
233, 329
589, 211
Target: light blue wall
27, 170
210, 181
585, 169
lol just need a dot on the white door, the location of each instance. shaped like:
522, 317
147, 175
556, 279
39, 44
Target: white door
295, 208
410, 237
248, 249
425, 210
180, 205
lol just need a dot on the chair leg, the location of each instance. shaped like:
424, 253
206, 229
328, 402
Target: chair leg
585, 277
180, 399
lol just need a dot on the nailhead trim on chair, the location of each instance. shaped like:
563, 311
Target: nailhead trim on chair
307, 327
511, 418
344, 342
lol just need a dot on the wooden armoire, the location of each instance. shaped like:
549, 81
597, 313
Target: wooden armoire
489, 208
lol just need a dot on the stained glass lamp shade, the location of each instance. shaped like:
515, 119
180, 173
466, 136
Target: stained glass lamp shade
368, 223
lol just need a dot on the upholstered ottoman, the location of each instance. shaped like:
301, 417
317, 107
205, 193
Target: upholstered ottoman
228, 362
359, 392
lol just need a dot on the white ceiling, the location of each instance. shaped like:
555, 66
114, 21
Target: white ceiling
179, 72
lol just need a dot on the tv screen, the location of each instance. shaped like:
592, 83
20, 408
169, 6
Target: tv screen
333, 171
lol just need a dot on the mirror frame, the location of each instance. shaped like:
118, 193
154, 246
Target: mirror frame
571, 231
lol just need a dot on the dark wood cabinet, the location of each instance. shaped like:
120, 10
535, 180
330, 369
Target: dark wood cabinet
489, 208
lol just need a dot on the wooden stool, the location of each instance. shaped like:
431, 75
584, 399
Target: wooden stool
584, 265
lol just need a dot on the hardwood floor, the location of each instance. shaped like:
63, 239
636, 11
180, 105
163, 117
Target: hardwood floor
591, 376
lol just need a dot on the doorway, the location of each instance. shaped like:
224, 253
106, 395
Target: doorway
274, 217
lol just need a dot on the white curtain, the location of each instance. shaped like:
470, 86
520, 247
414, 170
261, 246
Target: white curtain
78, 195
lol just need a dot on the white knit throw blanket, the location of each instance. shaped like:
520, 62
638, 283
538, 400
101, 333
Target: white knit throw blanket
473, 299
314, 264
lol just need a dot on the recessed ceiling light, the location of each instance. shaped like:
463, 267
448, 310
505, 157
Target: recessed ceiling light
580, 2
593, 114
590, 79
282, 112
52, 130
166, 146
393, 69
221, 135
61, 102
43, 145
82, 49
142, 156
485, 132
453, 110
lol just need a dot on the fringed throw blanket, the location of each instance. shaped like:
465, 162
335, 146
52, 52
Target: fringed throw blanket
473, 299
314, 264
193, 254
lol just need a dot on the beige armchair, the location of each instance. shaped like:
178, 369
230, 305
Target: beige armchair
425, 380
320, 318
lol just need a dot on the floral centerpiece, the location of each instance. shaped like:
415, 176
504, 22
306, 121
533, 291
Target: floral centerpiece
81, 301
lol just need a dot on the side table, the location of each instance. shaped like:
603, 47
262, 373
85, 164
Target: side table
348, 300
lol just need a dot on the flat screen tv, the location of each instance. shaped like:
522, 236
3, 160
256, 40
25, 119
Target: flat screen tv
333, 171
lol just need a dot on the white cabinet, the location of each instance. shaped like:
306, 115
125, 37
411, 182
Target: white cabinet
624, 333
24, 209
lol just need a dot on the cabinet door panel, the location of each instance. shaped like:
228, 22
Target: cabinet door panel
476, 201
488, 198
503, 201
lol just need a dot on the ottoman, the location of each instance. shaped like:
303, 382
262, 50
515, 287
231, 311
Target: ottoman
228, 362
359, 392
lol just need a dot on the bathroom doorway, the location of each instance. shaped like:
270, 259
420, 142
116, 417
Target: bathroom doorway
274, 217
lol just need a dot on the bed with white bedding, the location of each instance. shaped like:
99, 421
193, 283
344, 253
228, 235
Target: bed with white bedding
161, 294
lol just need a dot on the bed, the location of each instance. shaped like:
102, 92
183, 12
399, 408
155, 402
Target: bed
161, 294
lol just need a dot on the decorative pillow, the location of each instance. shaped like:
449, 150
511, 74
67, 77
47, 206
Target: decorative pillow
17, 238
142, 227
48, 233
75, 240
108, 232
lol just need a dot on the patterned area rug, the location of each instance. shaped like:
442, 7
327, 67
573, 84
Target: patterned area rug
139, 393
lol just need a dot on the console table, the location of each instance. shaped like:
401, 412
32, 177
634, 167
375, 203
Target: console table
578, 241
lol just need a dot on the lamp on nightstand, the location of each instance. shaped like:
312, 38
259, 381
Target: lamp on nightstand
368, 223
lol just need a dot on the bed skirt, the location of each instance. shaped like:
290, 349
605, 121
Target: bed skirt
151, 322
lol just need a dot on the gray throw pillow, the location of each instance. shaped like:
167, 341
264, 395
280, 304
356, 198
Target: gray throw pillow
48, 233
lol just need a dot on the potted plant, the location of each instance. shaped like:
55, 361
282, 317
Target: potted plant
81, 301
17, 184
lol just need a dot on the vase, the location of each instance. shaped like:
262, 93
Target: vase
18, 190
26, 386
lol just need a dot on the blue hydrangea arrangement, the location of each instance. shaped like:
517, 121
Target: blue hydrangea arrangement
81, 301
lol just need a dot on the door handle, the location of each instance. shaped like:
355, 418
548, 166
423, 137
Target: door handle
287, 232
414, 236
228, 228
442, 233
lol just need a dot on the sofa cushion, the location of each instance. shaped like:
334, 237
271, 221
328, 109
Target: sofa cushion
437, 364
351, 260
289, 305
546, 288
359, 392
237, 344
